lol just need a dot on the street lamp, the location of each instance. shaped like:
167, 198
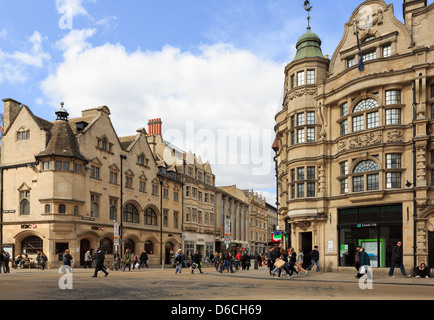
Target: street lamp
161, 180
123, 157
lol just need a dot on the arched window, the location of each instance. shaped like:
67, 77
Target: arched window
149, 247
62, 208
94, 210
150, 217
365, 174
107, 245
47, 208
366, 166
131, 214
31, 245
366, 105
25, 207
113, 213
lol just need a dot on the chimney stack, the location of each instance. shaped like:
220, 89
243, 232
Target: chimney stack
11, 110
154, 127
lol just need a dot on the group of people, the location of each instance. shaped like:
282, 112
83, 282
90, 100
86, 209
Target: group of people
290, 261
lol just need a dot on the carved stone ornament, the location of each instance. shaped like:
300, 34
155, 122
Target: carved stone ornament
395, 136
299, 93
431, 130
361, 141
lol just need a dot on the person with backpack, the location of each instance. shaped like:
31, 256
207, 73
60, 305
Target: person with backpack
197, 260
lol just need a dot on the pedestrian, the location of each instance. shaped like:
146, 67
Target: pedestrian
365, 262
67, 259
216, 261
87, 259
143, 260
99, 262
227, 262
299, 261
272, 256
134, 260
284, 257
127, 261
314, 258
196, 259
397, 260
422, 271
357, 263
19, 260
38, 260
2, 261
178, 261
6, 258
292, 260
44, 260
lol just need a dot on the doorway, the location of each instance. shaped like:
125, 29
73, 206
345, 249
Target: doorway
306, 246
169, 253
84, 247
431, 249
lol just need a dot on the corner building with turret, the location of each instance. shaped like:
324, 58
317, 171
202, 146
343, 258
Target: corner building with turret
355, 140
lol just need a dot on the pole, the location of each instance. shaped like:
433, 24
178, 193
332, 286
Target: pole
121, 231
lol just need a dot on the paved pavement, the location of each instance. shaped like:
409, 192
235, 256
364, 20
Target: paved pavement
162, 284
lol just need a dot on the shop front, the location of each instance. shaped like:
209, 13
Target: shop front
375, 228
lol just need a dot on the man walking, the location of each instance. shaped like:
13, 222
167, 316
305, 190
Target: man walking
397, 260
99, 260
227, 263
314, 257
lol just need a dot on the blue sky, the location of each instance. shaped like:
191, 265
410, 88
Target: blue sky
204, 67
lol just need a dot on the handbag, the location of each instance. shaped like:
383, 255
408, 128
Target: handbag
279, 263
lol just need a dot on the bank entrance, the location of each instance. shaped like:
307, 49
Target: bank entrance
375, 228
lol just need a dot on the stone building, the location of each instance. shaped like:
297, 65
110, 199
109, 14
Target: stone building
197, 195
232, 214
355, 149
66, 182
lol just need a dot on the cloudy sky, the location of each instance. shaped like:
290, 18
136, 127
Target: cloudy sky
212, 70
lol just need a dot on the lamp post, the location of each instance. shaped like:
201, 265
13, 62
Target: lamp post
161, 180
123, 157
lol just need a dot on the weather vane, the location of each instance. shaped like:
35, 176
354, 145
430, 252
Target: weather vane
308, 8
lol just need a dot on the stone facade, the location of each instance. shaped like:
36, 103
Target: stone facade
354, 142
62, 182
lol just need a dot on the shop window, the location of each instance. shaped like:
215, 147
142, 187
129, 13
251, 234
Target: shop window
107, 245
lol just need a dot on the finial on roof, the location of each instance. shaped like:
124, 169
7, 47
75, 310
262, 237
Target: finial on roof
61, 113
308, 8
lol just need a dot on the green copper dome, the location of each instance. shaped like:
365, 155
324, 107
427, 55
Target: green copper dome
309, 46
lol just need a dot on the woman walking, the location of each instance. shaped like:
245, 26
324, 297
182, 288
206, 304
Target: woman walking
300, 260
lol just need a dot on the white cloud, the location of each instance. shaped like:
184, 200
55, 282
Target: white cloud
197, 96
75, 7
16, 66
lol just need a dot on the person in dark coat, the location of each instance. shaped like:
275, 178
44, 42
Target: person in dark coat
143, 260
397, 260
67, 258
99, 262
364, 261
422, 271
197, 259
314, 257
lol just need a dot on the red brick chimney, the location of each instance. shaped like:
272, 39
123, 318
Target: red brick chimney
154, 127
